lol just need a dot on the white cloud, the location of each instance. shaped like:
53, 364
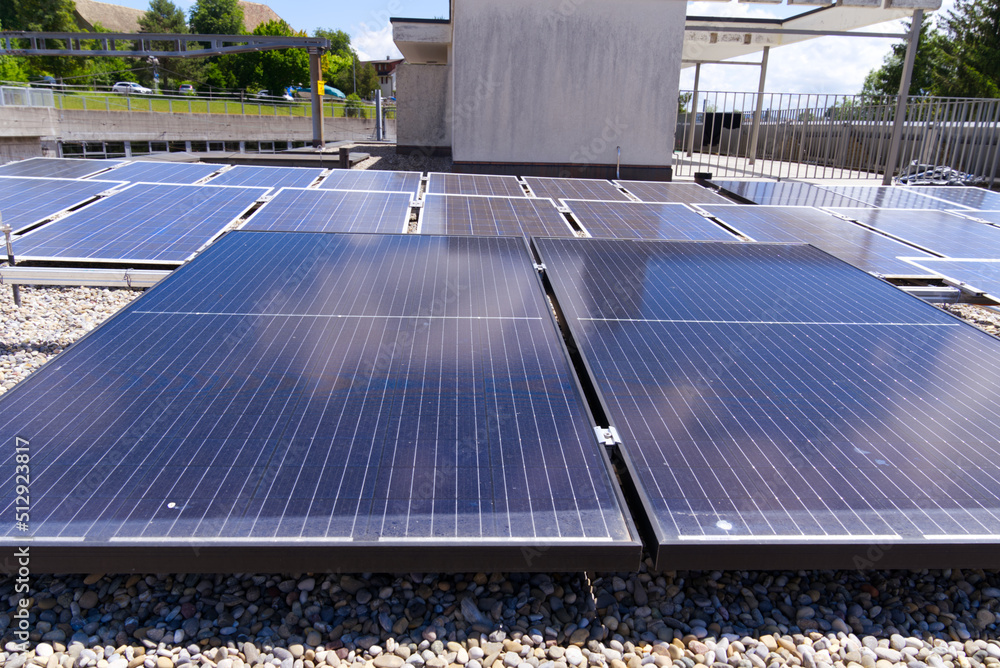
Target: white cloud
374, 44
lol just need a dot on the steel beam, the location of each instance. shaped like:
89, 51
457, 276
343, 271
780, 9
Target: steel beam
141, 44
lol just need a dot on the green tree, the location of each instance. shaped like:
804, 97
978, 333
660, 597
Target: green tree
274, 69
340, 41
928, 67
972, 49
216, 17
163, 16
42, 16
368, 81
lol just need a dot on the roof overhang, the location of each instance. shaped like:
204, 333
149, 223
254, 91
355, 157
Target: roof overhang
422, 41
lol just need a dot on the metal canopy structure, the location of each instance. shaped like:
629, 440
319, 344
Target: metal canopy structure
184, 46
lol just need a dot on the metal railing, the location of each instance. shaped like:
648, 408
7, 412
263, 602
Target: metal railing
833, 136
22, 96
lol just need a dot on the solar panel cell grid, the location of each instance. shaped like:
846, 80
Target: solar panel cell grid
300, 210
682, 193
151, 223
890, 197
642, 220
589, 189
162, 172
267, 177
974, 198
981, 274
67, 168
475, 184
479, 216
802, 417
27, 201
850, 242
935, 231
354, 395
788, 193
371, 179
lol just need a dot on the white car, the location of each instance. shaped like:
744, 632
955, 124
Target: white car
266, 95
129, 87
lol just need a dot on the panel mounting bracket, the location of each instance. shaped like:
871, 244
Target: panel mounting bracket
540, 267
607, 436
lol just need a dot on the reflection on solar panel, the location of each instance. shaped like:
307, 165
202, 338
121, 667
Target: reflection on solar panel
645, 220
935, 231
361, 402
27, 201
162, 172
789, 193
484, 216
992, 217
475, 184
891, 197
682, 193
770, 421
267, 177
591, 189
974, 198
372, 179
148, 223
298, 210
65, 168
850, 242
982, 274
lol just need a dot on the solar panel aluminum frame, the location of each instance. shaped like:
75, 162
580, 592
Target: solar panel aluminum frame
726, 224
769, 552
114, 186
266, 198
565, 204
205, 180
629, 197
950, 280
423, 205
229, 168
261, 555
207, 243
504, 177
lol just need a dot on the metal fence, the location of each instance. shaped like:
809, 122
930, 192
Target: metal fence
21, 96
832, 136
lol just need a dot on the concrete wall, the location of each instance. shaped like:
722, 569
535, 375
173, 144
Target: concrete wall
422, 95
73, 125
566, 81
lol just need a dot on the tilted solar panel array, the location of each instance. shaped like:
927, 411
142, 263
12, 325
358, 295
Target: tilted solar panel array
26, 201
935, 231
370, 179
267, 177
769, 421
366, 402
162, 172
645, 220
787, 193
682, 193
474, 184
300, 210
891, 197
978, 274
589, 189
478, 215
144, 223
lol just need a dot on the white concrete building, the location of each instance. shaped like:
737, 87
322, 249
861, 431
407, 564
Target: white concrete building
545, 87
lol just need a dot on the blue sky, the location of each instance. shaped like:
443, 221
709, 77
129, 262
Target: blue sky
827, 65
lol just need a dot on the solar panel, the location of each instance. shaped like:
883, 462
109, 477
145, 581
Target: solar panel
66, 168
789, 412
27, 201
974, 198
788, 193
372, 179
488, 216
934, 231
982, 274
850, 242
592, 189
162, 172
644, 220
144, 223
682, 193
890, 197
299, 210
267, 177
991, 217
475, 184
391, 402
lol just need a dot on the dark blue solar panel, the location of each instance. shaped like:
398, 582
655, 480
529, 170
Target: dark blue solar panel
890, 197
788, 409
27, 201
935, 231
295, 210
267, 177
974, 198
992, 217
645, 220
162, 172
484, 216
982, 274
474, 184
681, 193
143, 223
850, 242
787, 193
372, 179
402, 401
590, 189
64, 168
